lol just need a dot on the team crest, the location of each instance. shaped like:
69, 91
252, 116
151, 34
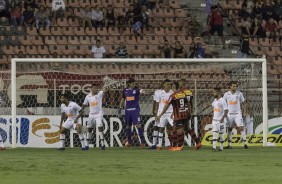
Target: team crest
134, 92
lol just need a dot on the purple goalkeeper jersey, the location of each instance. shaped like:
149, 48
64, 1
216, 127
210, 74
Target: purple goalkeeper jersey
131, 97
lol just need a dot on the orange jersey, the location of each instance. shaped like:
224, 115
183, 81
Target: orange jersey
180, 102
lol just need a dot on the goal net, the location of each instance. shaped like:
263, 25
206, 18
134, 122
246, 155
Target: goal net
30, 105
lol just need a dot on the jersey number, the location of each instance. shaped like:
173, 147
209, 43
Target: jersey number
181, 103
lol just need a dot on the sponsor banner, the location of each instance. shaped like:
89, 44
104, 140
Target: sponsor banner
252, 140
43, 132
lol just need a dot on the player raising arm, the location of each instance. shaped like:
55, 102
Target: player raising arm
130, 99
94, 101
220, 111
71, 114
234, 99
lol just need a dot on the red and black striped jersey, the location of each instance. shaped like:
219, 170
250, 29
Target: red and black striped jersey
180, 102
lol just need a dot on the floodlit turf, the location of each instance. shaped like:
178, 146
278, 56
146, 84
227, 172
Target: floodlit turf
134, 165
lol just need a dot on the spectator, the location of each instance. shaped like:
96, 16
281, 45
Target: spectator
248, 5
246, 27
58, 8
137, 20
208, 6
257, 29
110, 15
200, 51
270, 28
145, 16
69, 12
28, 16
41, 17
97, 17
86, 16
179, 50
4, 8
16, 17
244, 47
15, 3
166, 50
194, 26
129, 16
278, 10
257, 10
30, 3
267, 10
216, 25
121, 51
192, 50
98, 50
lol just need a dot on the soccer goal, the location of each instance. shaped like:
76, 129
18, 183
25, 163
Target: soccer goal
31, 91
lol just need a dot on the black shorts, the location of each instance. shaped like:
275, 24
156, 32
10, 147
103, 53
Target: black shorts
218, 29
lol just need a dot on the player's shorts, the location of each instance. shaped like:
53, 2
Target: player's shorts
234, 120
132, 117
217, 126
164, 120
69, 124
95, 119
218, 29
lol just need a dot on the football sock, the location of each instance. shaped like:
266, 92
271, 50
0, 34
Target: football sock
155, 137
214, 139
62, 140
193, 136
101, 135
243, 133
180, 139
229, 137
141, 135
81, 138
88, 138
161, 135
128, 132
221, 135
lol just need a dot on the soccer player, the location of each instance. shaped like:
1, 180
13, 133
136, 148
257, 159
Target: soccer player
72, 116
130, 99
2, 147
162, 99
248, 118
220, 112
189, 96
94, 100
234, 98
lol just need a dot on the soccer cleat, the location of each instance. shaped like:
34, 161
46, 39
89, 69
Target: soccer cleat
83, 149
214, 149
142, 145
86, 147
103, 147
159, 148
128, 145
198, 146
246, 146
153, 147
61, 149
228, 147
2, 149
220, 150
171, 148
177, 148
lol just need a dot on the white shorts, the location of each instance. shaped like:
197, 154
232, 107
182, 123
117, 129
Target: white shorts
165, 119
95, 119
69, 124
217, 126
234, 120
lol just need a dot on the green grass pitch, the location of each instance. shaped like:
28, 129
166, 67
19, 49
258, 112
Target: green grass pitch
133, 165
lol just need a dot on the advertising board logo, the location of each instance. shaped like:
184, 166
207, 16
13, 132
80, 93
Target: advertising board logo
40, 128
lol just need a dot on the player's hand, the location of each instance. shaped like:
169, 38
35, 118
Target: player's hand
222, 120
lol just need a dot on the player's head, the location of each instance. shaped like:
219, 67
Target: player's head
94, 88
167, 84
64, 98
233, 86
182, 83
175, 86
98, 43
131, 83
216, 92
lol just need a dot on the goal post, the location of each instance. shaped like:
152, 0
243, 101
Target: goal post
78, 73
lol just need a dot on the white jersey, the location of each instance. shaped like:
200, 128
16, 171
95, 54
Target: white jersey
219, 106
72, 110
57, 4
156, 94
163, 99
95, 103
234, 101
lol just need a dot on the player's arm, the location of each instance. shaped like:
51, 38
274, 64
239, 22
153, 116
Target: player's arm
79, 109
63, 117
224, 104
155, 107
164, 111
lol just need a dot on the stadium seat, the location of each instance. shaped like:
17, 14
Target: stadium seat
20, 48
4, 21
131, 40
185, 40
62, 22
93, 39
106, 3
181, 31
84, 40
8, 30
113, 31
168, 12
77, 11
180, 13
102, 31
253, 41
56, 31
84, 3
154, 21
37, 40
264, 42
3, 61
275, 42
31, 31
171, 31
73, 40
74, 22
125, 31
68, 50
158, 12
174, 4
55, 49
277, 60
31, 49
67, 31
159, 31
108, 40
119, 39
79, 50
90, 31
148, 31
79, 31
143, 40
279, 51
50, 40
44, 31
95, 3
164, 22
174, 22
26, 40
43, 50
119, 3
74, 3
13, 40
154, 40
62, 40
4, 40
270, 51
127, 3
19, 30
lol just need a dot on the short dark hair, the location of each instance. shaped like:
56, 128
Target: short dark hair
98, 40
217, 89
166, 80
94, 84
176, 85
233, 82
66, 95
